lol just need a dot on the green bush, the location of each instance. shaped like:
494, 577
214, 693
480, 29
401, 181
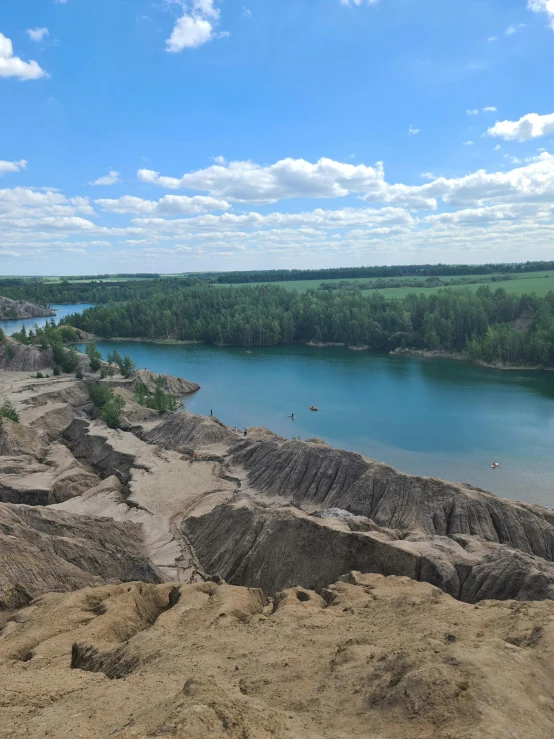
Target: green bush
111, 412
94, 356
56, 370
159, 400
125, 364
39, 375
100, 394
8, 411
110, 405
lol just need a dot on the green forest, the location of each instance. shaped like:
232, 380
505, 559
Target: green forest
47, 293
488, 325
44, 292
349, 273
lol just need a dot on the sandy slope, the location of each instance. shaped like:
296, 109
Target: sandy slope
221, 662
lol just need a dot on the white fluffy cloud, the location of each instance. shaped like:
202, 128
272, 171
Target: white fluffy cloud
247, 182
530, 126
12, 166
195, 27
488, 215
543, 6
112, 178
13, 66
37, 34
168, 205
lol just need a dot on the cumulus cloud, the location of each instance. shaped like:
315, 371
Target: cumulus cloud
530, 126
543, 6
12, 166
195, 27
495, 212
412, 130
112, 178
489, 109
32, 203
37, 34
474, 111
13, 66
247, 182
168, 205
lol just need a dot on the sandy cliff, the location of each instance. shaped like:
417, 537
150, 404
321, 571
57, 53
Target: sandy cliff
21, 309
247, 621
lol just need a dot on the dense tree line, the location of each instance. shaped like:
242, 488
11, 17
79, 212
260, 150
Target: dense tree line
349, 273
43, 293
486, 324
46, 293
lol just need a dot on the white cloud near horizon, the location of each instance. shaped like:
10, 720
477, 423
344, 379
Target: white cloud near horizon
498, 213
6, 167
168, 205
530, 126
195, 27
13, 66
112, 178
247, 182
37, 34
543, 6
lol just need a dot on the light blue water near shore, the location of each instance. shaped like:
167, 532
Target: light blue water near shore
13, 326
429, 417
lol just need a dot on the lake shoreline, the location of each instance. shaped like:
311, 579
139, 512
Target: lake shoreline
459, 357
416, 353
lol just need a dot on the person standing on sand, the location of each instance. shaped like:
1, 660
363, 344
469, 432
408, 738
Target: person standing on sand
245, 432
211, 413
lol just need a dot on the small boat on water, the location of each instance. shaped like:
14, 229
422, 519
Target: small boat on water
313, 408
494, 465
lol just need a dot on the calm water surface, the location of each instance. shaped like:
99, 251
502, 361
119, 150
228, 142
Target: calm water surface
11, 327
429, 417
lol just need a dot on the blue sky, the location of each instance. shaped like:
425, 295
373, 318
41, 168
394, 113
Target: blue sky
184, 135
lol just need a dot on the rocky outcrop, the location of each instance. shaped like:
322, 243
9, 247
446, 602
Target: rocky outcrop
183, 432
311, 475
17, 357
34, 471
176, 386
97, 450
259, 546
21, 309
43, 551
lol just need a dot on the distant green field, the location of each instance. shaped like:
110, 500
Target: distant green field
104, 280
300, 286
532, 282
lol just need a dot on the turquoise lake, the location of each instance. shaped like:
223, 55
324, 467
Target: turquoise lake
12, 326
429, 417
